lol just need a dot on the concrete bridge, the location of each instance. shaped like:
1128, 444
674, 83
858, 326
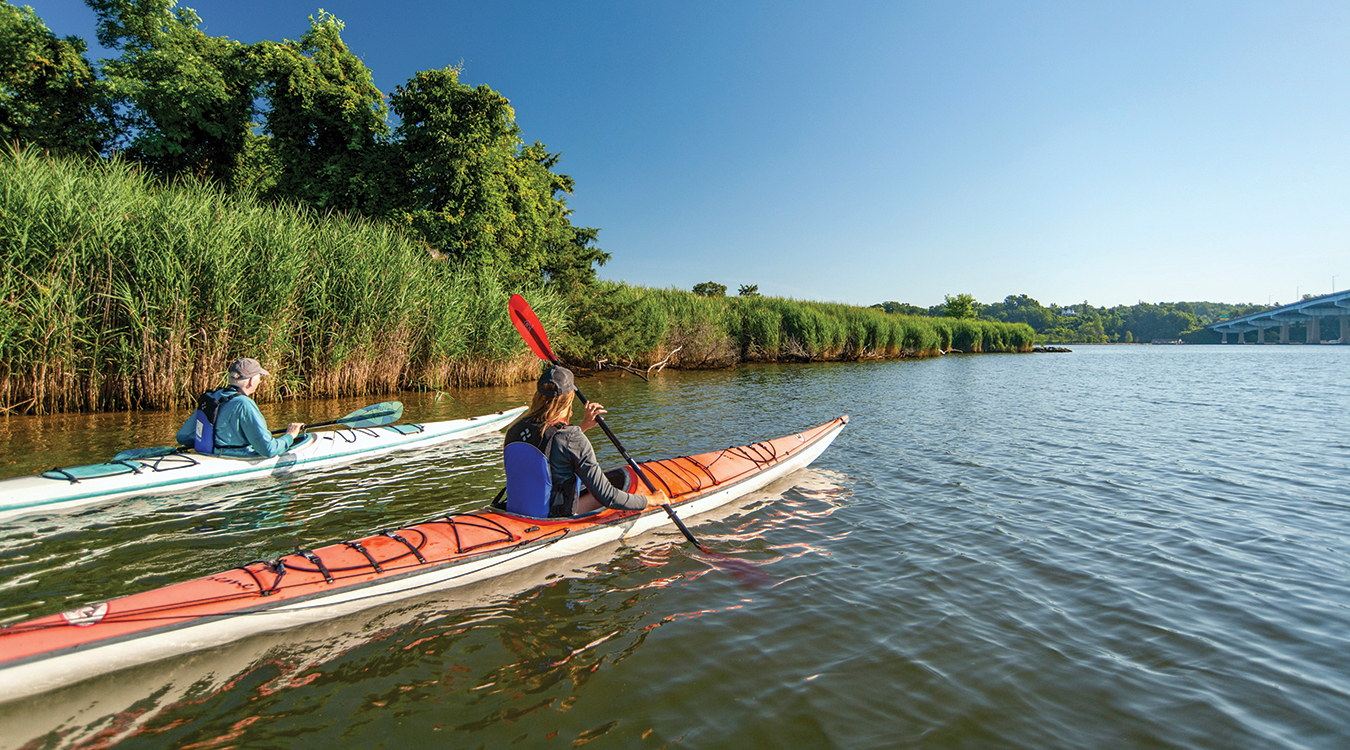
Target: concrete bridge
1308, 312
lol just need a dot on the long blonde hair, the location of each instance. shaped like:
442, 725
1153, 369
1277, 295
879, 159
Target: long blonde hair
548, 409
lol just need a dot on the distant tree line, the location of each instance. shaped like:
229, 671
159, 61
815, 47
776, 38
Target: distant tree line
714, 289
300, 121
1086, 324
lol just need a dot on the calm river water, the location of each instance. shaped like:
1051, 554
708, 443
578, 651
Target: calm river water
1119, 547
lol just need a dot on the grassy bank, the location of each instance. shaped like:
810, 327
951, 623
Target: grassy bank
622, 323
121, 293
117, 293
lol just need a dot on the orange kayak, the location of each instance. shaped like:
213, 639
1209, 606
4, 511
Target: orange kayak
321, 584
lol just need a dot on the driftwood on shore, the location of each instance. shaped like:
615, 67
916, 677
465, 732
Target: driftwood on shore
632, 367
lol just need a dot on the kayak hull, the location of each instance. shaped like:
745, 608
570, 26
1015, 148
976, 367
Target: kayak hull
52, 492
51, 652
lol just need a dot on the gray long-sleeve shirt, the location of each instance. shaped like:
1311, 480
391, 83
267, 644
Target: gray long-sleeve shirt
572, 457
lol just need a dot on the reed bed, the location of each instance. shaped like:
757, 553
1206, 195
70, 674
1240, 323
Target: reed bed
642, 325
121, 293
118, 292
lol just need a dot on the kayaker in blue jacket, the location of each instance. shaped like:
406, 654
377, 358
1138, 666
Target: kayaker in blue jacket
547, 481
228, 423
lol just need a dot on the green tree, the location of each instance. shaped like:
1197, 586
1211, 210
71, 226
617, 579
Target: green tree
748, 290
961, 306
49, 95
1022, 309
327, 122
186, 99
259, 168
1147, 322
902, 308
477, 193
710, 289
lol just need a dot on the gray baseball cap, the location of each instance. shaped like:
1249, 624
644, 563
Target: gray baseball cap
556, 380
245, 368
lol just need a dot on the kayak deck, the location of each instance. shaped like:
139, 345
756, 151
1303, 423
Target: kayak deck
64, 488
311, 585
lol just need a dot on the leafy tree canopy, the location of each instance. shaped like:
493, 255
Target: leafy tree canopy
476, 192
327, 121
748, 290
49, 95
902, 308
710, 289
456, 171
185, 99
960, 306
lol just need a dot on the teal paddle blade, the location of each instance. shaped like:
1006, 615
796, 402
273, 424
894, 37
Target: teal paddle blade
377, 415
135, 453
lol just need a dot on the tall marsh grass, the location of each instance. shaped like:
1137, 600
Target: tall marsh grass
629, 323
117, 292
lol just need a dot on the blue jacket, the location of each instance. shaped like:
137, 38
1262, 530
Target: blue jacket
239, 423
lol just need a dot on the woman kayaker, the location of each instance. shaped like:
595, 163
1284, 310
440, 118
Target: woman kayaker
228, 423
548, 460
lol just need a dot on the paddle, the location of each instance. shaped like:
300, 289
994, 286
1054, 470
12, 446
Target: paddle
375, 415
532, 330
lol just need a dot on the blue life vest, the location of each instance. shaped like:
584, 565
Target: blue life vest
204, 440
529, 483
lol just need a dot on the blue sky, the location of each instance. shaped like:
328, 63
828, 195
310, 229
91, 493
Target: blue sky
863, 152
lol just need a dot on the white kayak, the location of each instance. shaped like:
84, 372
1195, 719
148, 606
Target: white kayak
62, 489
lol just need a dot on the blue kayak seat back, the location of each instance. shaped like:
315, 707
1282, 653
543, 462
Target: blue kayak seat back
208, 406
528, 482
204, 439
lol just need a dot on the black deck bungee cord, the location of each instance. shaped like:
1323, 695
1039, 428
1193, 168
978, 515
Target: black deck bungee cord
691, 478
417, 551
149, 614
373, 562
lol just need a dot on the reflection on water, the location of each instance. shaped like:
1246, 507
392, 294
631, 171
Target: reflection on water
1125, 546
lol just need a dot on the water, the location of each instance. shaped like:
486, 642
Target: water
1118, 547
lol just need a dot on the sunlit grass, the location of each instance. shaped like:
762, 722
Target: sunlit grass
121, 293
695, 331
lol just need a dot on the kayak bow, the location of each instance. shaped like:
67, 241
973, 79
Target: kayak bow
315, 585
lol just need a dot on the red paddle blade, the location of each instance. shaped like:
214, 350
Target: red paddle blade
525, 321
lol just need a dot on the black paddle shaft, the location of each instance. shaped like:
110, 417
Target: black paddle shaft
615, 440
643, 475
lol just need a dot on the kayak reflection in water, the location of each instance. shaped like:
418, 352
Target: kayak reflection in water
548, 461
227, 422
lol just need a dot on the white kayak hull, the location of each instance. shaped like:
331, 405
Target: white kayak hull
184, 471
